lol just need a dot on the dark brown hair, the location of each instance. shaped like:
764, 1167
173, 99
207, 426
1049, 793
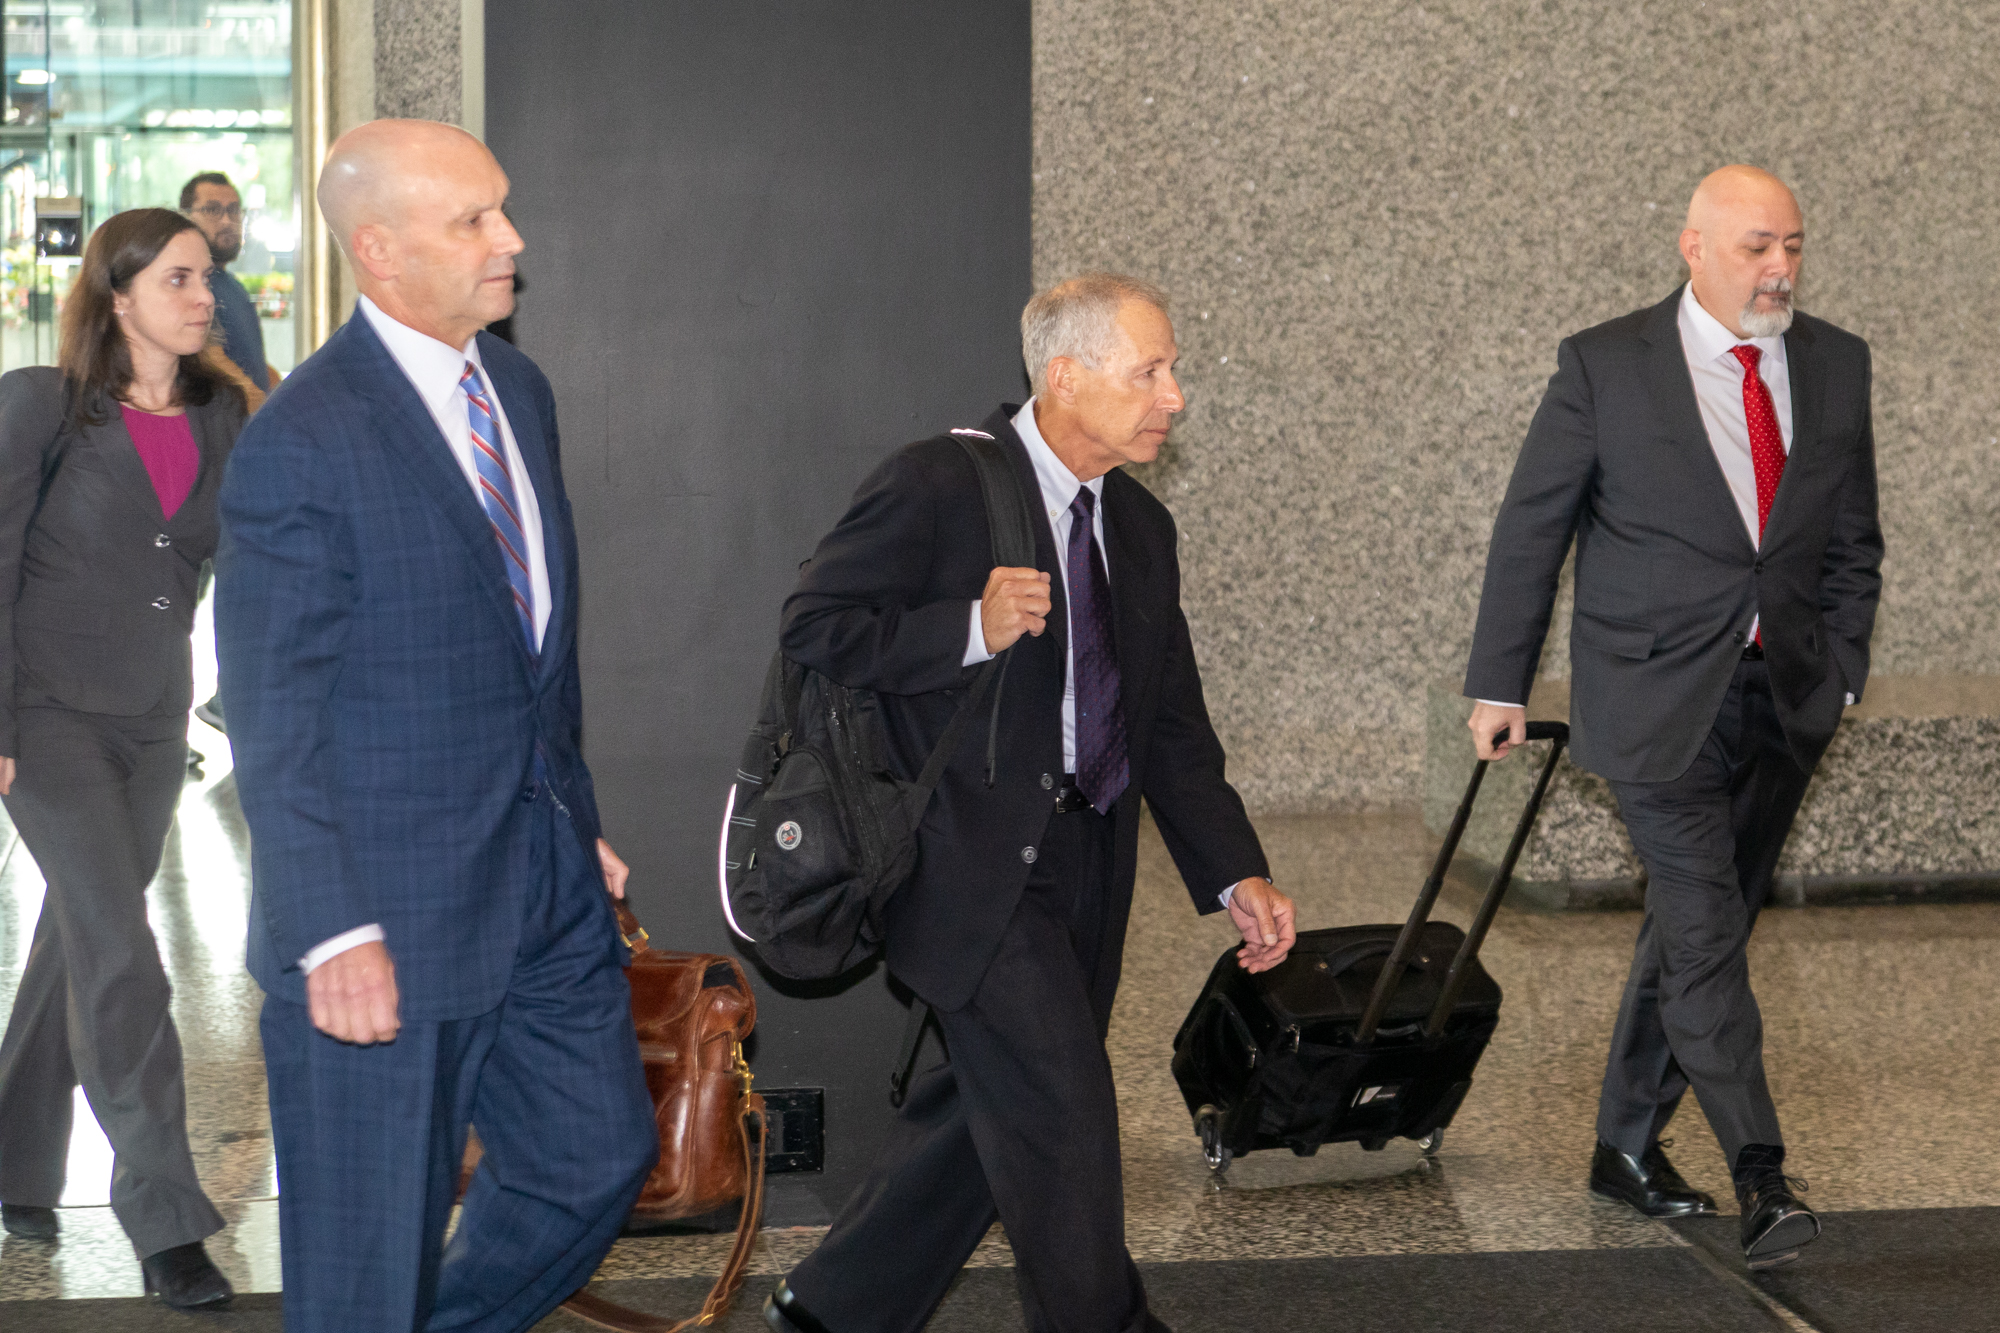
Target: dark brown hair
195, 183
96, 360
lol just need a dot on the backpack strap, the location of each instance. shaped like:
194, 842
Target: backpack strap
921, 1017
927, 781
1010, 519
1009, 516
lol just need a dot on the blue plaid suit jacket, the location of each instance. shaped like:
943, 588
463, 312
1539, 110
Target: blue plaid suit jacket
383, 709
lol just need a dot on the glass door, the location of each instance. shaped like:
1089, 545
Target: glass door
117, 104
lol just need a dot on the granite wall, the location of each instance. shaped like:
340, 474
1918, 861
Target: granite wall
1378, 220
1904, 807
417, 65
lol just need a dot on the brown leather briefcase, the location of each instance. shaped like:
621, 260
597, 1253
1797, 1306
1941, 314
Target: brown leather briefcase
693, 1011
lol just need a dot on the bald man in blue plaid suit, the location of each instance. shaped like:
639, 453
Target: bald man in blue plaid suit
397, 630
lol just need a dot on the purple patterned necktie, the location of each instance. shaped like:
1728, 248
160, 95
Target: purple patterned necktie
1102, 770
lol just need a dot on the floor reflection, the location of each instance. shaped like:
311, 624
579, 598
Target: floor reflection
1879, 1026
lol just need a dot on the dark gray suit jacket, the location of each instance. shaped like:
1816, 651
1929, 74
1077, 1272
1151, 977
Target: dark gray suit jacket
97, 587
1667, 579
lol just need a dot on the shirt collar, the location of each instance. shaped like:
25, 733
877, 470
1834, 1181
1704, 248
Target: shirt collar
433, 367
1708, 340
1059, 485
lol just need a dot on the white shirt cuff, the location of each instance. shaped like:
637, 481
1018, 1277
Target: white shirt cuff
1850, 700
339, 944
975, 641
1495, 703
1229, 894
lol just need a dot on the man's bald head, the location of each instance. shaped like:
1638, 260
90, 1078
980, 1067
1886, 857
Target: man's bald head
373, 170
417, 208
1742, 243
1728, 193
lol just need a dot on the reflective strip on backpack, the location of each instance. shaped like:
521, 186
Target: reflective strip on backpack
722, 864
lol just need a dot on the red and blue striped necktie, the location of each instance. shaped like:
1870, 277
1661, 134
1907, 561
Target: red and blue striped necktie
496, 496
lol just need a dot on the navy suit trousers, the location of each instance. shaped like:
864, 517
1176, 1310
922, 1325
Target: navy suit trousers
369, 1138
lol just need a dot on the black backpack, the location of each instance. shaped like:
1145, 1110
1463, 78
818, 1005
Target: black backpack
818, 833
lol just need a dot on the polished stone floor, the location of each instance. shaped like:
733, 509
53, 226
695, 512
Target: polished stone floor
1883, 1029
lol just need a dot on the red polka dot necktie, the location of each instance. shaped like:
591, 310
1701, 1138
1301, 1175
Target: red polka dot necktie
1767, 445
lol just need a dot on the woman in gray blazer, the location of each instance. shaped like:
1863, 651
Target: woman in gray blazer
109, 467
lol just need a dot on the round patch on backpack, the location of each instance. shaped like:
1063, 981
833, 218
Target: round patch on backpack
790, 835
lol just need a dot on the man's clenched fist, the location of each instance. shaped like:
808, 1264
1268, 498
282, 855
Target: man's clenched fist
1016, 602
352, 996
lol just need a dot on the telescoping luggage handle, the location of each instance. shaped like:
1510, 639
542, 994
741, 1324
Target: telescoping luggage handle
1406, 943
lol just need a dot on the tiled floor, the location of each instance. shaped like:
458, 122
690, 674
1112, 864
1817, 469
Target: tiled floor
1882, 1030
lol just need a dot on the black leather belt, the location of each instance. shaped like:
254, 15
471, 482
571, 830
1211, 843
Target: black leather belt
1068, 798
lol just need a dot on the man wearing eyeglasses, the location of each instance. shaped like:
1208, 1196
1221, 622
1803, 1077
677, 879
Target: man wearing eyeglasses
217, 209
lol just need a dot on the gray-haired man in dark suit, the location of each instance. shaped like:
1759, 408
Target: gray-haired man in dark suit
1714, 461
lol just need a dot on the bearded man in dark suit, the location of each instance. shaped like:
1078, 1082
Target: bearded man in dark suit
1713, 459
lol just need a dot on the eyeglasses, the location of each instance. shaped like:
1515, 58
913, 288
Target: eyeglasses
211, 211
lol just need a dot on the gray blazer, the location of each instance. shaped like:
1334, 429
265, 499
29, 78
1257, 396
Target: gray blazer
97, 587
1667, 579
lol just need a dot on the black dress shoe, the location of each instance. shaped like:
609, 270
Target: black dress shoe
784, 1314
211, 713
29, 1222
184, 1277
1776, 1226
1648, 1183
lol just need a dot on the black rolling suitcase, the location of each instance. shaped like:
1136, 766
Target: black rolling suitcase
1364, 1033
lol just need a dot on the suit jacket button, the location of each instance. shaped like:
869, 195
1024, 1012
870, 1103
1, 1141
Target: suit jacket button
1028, 854
163, 540
161, 603
1741, 638
1048, 783
1757, 568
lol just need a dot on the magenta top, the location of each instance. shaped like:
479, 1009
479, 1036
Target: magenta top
166, 446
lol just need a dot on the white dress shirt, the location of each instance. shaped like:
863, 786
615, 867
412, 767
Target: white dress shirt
1059, 487
434, 369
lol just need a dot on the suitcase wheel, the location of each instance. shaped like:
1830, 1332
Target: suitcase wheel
1208, 1124
1432, 1143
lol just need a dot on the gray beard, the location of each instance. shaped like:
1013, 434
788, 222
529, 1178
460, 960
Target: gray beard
1765, 323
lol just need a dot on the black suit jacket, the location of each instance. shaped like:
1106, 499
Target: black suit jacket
1667, 579
97, 586
885, 605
